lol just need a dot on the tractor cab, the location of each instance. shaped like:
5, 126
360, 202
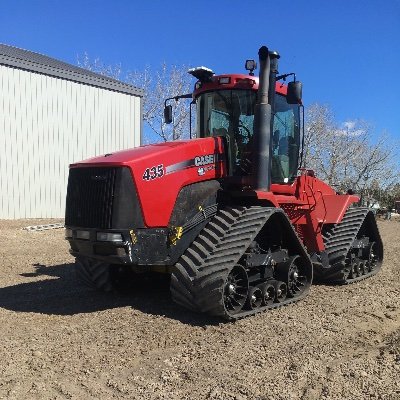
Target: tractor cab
226, 106
227, 109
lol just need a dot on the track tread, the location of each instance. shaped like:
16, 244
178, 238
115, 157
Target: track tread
338, 243
199, 287
93, 274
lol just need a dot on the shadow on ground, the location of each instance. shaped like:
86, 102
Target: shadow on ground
60, 294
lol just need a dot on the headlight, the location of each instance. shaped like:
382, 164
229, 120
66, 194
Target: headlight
68, 234
109, 237
85, 235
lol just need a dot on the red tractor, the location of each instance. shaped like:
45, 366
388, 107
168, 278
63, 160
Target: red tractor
229, 214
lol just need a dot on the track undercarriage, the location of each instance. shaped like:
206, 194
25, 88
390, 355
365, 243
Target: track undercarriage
234, 269
354, 248
249, 259
239, 266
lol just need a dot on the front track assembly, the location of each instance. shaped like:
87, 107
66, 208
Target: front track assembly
233, 269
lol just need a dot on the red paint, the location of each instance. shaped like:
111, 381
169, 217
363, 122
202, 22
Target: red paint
310, 203
157, 197
237, 81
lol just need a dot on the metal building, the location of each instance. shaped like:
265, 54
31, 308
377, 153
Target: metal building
52, 114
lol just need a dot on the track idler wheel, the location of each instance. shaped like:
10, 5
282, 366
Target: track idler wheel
268, 294
236, 290
281, 291
293, 273
254, 298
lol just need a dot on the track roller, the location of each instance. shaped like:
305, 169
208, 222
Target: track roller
363, 267
294, 274
281, 291
254, 298
268, 294
372, 259
357, 268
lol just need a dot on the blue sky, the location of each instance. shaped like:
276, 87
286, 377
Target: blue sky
347, 53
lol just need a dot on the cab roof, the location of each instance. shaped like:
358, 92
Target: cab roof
233, 82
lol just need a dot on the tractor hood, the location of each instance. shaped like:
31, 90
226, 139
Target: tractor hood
142, 153
160, 171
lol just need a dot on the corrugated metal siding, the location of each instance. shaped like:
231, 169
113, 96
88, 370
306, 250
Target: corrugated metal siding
47, 123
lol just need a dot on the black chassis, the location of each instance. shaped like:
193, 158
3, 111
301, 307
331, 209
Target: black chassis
141, 247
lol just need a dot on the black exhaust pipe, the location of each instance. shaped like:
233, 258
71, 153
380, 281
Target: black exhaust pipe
263, 119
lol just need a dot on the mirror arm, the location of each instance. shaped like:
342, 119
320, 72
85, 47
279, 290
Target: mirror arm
176, 98
168, 108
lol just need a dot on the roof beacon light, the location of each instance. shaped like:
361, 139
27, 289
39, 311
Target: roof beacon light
250, 65
203, 74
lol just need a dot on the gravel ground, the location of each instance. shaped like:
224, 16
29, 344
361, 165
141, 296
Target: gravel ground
62, 341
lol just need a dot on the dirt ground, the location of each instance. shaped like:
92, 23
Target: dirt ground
60, 340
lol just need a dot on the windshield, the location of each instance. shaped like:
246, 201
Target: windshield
230, 113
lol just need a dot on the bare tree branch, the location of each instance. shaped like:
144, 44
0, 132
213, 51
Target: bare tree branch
159, 84
345, 156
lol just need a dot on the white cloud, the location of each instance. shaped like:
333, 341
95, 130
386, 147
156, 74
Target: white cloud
348, 128
349, 125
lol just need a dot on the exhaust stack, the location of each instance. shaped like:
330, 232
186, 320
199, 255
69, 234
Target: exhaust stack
263, 120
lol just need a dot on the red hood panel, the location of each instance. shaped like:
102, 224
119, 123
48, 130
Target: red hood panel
161, 170
125, 157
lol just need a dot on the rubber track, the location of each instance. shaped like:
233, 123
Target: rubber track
338, 243
94, 274
199, 276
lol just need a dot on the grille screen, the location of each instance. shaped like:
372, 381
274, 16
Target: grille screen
90, 197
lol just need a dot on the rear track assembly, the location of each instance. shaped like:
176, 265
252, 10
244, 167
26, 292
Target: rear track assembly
354, 248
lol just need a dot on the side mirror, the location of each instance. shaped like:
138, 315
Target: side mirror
168, 114
294, 92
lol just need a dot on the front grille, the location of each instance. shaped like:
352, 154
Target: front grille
102, 198
90, 197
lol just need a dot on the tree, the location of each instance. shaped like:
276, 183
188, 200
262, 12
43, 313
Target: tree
386, 197
96, 65
345, 155
166, 82
158, 85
